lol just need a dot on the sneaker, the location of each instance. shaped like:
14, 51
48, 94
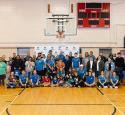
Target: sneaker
79, 86
100, 87
116, 87
105, 86
111, 87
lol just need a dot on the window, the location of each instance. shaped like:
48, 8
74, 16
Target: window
123, 53
105, 52
23, 51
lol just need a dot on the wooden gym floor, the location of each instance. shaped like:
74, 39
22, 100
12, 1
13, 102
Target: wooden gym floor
62, 101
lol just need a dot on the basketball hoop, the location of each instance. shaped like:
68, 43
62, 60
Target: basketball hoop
60, 35
60, 25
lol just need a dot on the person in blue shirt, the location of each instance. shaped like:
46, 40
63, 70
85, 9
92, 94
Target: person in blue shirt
23, 80
34, 79
61, 56
90, 79
50, 63
39, 66
102, 81
114, 80
82, 71
55, 82
75, 61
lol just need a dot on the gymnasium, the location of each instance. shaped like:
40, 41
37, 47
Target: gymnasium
62, 57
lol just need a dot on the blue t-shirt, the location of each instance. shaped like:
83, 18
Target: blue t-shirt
55, 81
76, 62
23, 79
35, 78
82, 72
50, 62
114, 79
61, 57
102, 79
89, 79
39, 64
17, 72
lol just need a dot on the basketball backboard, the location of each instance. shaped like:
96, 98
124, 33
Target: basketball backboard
60, 23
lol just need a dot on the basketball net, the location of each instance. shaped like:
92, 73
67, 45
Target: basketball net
60, 35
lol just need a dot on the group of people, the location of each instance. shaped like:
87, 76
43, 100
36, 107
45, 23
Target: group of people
70, 70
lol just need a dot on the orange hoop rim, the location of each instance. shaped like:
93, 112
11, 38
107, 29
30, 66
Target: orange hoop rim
60, 35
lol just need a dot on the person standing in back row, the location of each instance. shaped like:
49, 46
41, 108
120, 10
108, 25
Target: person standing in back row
109, 68
91, 55
29, 67
119, 62
86, 59
18, 64
27, 56
99, 66
3, 67
75, 62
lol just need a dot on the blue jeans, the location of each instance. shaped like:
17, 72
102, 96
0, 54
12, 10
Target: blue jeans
29, 74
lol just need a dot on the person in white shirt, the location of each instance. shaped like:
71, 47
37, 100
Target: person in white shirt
99, 66
29, 67
91, 65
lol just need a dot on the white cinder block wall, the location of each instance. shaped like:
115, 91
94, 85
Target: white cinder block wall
22, 24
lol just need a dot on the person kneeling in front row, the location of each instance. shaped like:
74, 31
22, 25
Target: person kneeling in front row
23, 79
34, 79
102, 81
114, 80
90, 79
